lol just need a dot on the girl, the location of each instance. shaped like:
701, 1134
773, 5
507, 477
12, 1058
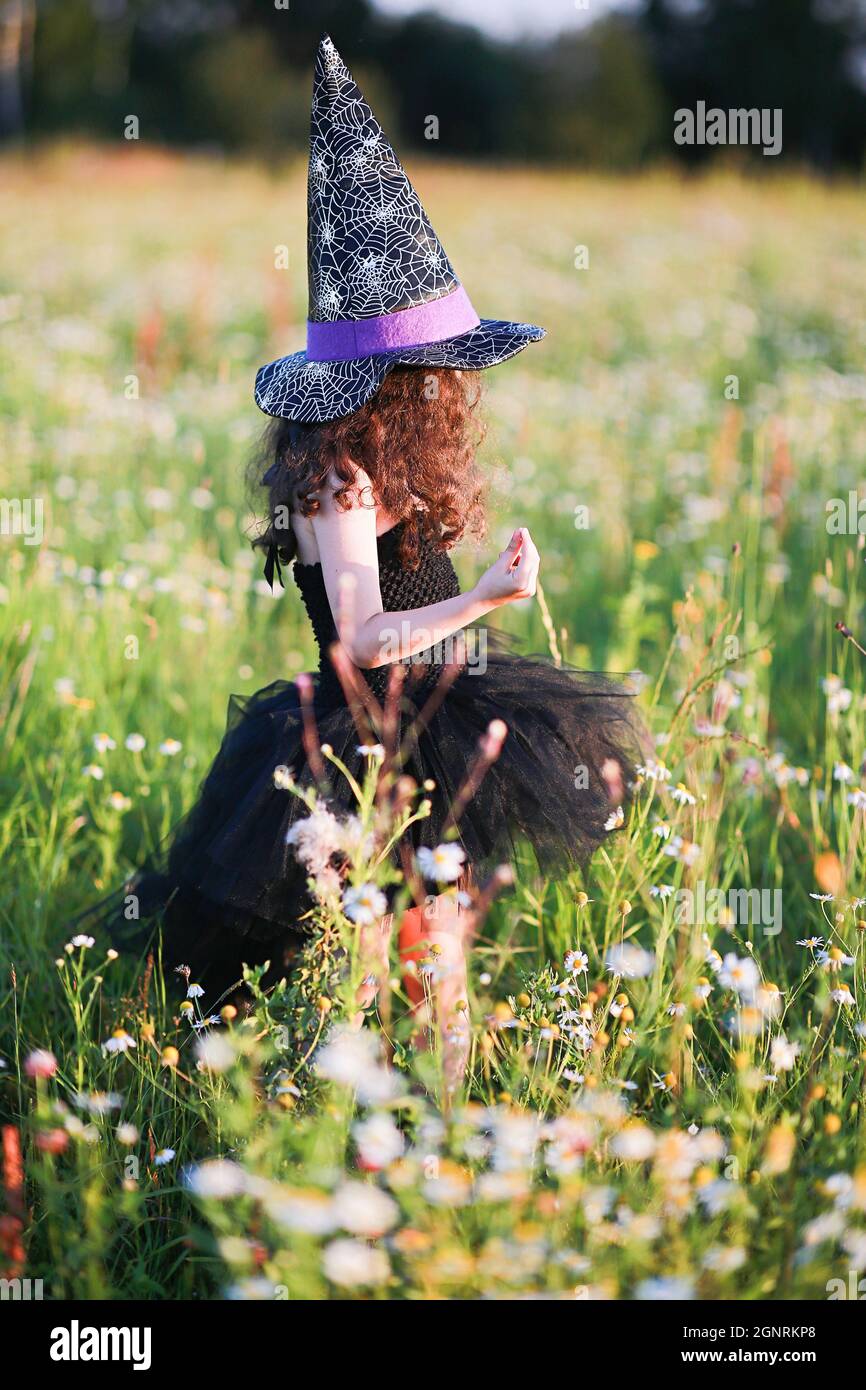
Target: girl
371, 481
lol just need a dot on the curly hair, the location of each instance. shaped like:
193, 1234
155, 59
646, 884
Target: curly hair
416, 439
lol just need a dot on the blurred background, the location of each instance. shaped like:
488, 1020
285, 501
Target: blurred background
584, 82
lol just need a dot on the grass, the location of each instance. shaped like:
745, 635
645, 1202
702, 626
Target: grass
693, 1129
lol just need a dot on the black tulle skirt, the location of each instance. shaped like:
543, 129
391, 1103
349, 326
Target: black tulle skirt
227, 887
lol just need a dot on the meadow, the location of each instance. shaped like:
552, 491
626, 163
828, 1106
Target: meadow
664, 1098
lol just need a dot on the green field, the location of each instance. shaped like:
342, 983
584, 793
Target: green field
673, 446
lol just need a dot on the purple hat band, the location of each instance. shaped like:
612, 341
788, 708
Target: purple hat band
349, 339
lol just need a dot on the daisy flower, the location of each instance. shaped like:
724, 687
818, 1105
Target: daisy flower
364, 904
576, 961
682, 794
783, 1054
135, 742
170, 747
120, 1041
842, 995
615, 820
103, 743
162, 1157
93, 770
444, 864
84, 941
194, 991
739, 973
814, 943
842, 772
630, 961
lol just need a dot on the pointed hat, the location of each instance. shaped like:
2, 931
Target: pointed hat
383, 293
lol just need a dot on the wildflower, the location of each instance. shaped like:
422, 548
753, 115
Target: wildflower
169, 1057
99, 1102
681, 794
834, 959
444, 864
822, 897
676, 1010
127, 1134
216, 1177
352, 1059
842, 995
170, 747
364, 1210
135, 742
661, 890
118, 802
83, 941
200, 1023
665, 1083
838, 696
615, 820
739, 973
194, 991
814, 943
662, 830
378, 1140
316, 839
103, 743
40, 1063
348, 1263
576, 962
630, 961
364, 904
162, 1157
214, 1053
783, 1054
93, 770
702, 991
857, 799
120, 1041
283, 779
842, 772
371, 750
686, 851
298, 1209
655, 771
636, 1142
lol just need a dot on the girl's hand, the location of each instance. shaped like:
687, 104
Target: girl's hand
514, 574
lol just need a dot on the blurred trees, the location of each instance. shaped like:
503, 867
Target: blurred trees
236, 74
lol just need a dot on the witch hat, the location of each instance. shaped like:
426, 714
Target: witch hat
383, 293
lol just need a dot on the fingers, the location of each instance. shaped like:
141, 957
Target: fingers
526, 570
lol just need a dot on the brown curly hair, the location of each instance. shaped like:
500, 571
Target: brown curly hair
416, 438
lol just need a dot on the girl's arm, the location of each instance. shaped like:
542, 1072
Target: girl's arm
350, 567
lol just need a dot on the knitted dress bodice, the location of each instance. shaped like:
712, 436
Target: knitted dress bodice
432, 581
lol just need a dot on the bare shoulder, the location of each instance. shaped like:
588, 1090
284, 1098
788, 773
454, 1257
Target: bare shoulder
358, 492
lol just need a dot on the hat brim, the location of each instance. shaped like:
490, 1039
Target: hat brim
294, 388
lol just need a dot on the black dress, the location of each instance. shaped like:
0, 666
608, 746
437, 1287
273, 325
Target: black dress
228, 888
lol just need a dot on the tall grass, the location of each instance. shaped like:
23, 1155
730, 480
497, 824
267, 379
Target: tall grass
694, 1127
